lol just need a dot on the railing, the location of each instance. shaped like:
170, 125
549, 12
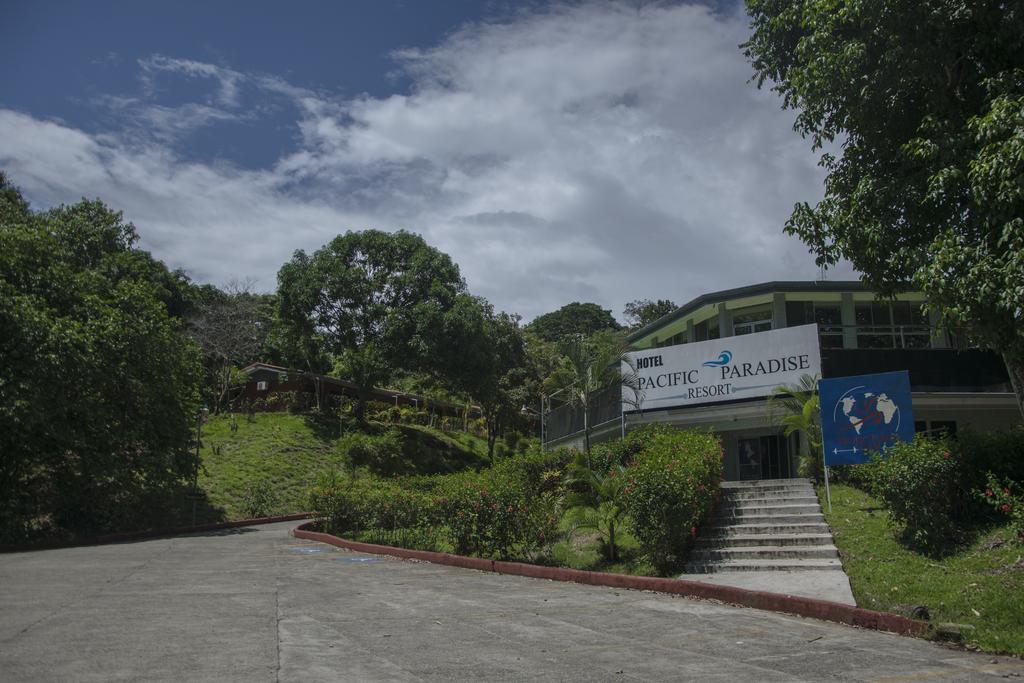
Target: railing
883, 336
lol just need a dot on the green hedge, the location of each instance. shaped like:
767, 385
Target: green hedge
514, 508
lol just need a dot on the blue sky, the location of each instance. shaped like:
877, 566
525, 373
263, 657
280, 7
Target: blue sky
591, 151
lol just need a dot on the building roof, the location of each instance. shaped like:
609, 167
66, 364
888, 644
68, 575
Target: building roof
750, 290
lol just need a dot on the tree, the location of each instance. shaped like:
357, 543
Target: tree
926, 101
499, 383
643, 312
98, 388
231, 328
379, 301
573, 319
797, 409
588, 366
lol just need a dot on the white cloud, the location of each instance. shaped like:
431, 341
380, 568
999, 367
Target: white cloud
589, 152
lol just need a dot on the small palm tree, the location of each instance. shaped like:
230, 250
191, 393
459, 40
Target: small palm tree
589, 365
797, 409
593, 503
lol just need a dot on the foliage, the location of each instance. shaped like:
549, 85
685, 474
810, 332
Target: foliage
510, 509
380, 301
981, 453
98, 389
920, 484
671, 485
1007, 498
380, 453
573, 320
595, 503
589, 366
980, 584
231, 328
259, 499
927, 99
797, 409
643, 312
498, 385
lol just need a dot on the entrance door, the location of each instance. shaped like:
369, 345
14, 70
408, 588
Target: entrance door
763, 457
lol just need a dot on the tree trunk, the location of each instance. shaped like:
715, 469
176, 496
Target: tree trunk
1015, 368
586, 433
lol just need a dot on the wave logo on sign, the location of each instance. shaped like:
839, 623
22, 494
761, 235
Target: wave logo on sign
724, 358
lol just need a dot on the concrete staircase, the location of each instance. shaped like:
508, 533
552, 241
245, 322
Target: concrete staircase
767, 525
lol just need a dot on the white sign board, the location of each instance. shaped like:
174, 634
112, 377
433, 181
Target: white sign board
729, 369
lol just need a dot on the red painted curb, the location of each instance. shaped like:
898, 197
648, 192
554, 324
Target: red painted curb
775, 602
154, 533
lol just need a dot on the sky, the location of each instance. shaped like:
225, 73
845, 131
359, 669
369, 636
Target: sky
581, 151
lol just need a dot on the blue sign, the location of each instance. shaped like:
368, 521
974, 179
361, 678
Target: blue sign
864, 413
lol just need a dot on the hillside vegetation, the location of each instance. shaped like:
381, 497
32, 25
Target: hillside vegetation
284, 453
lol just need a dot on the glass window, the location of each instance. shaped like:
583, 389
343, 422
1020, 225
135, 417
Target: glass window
700, 331
798, 313
713, 328
828, 314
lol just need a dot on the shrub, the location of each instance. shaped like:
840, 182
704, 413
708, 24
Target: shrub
1007, 498
997, 453
259, 499
920, 483
672, 483
380, 453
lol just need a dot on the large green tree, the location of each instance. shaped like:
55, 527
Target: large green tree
379, 302
924, 102
572, 320
643, 312
98, 388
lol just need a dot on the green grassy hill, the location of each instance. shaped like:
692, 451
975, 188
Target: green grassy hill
289, 451
981, 584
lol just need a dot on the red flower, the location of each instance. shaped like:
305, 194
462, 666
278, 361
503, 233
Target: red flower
988, 493
693, 531
494, 506
946, 455
1005, 507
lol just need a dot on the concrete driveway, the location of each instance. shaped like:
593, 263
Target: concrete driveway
255, 604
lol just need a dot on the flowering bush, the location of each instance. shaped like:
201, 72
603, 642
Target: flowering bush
920, 482
671, 484
1007, 498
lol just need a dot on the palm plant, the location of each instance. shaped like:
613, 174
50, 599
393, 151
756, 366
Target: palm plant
593, 503
590, 365
797, 409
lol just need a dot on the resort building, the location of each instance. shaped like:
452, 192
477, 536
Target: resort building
713, 362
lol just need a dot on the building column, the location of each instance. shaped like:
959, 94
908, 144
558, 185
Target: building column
779, 311
724, 321
849, 318
690, 334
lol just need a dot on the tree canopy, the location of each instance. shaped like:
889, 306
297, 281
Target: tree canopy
925, 101
378, 301
98, 389
571, 320
643, 312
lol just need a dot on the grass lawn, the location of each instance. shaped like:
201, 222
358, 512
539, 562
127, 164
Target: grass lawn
290, 451
981, 584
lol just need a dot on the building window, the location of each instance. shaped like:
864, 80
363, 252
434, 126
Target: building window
826, 315
261, 386
892, 325
753, 319
935, 427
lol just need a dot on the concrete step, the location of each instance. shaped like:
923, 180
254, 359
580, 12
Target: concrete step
743, 540
765, 485
787, 565
724, 531
728, 503
797, 518
783, 509
767, 495
765, 552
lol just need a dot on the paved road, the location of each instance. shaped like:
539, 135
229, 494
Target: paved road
258, 605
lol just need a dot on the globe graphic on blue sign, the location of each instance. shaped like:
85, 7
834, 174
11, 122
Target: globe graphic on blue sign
865, 412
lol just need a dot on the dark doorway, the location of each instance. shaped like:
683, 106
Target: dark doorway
764, 457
